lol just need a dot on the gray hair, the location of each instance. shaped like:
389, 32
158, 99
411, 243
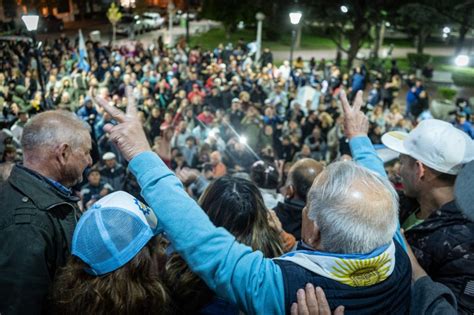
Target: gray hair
355, 209
48, 129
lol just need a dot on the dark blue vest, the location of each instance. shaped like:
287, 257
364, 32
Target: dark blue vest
392, 296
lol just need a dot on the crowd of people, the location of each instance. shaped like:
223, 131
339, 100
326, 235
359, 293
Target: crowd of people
104, 178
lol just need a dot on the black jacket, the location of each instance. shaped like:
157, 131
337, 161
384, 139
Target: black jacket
36, 226
289, 213
444, 247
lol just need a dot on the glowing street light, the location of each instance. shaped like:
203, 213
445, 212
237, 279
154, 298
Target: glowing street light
461, 60
243, 139
344, 9
31, 22
446, 30
295, 17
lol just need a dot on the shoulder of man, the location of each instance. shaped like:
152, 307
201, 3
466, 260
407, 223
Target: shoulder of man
445, 236
19, 211
27, 200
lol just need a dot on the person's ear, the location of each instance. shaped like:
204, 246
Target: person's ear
310, 232
63, 153
315, 239
420, 170
290, 191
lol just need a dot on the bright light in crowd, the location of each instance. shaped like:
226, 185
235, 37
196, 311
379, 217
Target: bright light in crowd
446, 30
243, 139
344, 9
295, 17
461, 60
31, 22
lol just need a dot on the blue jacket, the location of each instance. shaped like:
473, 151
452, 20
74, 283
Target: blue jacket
357, 82
232, 270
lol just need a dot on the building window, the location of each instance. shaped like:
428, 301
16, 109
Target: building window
127, 3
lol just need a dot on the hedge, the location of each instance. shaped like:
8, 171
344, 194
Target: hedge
463, 76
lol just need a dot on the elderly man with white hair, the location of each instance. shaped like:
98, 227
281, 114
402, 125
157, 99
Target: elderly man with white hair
349, 227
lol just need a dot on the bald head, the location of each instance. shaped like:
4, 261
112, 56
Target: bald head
302, 175
46, 130
215, 157
355, 210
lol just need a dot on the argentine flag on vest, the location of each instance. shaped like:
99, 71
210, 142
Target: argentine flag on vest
83, 64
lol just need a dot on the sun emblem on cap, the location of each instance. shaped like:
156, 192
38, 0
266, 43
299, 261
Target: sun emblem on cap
143, 208
362, 273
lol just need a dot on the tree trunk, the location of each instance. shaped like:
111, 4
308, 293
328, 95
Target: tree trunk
375, 50
379, 36
351, 55
420, 43
355, 42
228, 32
338, 57
298, 36
273, 31
464, 28
113, 34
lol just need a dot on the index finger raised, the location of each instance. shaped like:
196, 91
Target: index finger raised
357, 104
116, 113
345, 103
131, 104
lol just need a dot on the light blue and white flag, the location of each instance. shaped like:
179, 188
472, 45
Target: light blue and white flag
83, 64
355, 270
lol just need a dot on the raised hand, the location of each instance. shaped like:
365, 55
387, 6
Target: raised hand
355, 122
313, 302
128, 134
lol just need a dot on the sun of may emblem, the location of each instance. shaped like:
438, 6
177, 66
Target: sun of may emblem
143, 208
361, 273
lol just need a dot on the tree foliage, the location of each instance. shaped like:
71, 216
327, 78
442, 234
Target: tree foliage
353, 26
419, 20
459, 13
230, 12
113, 14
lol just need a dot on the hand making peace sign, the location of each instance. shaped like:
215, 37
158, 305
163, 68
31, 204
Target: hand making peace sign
128, 134
355, 122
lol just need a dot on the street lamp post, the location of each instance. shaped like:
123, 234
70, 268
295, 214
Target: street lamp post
187, 21
31, 23
260, 17
295, 18
170, 22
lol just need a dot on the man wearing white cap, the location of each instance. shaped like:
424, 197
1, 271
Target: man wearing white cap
113, 173
441, 234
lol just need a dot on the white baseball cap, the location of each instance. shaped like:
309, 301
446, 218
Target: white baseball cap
436, 143
108, 156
